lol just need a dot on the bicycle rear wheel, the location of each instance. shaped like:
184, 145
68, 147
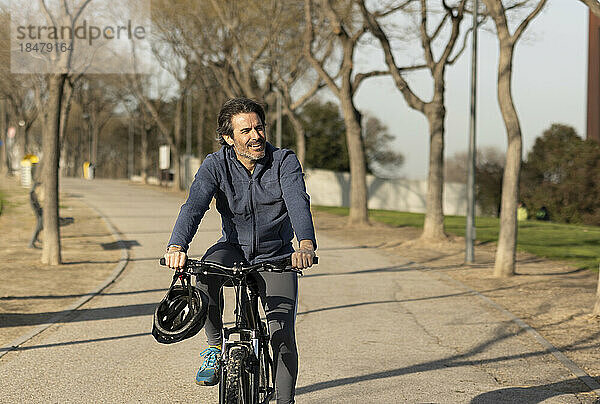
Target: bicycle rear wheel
236, 385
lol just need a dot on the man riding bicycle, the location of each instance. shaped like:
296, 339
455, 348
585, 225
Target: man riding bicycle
261, 197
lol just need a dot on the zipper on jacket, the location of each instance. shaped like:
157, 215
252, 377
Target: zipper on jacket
251, 197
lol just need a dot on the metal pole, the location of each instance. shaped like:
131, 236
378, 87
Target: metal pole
130, 151
470, 226
278, 127
188, 128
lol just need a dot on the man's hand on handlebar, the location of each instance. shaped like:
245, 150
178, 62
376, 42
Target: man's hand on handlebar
303, 257
175, 258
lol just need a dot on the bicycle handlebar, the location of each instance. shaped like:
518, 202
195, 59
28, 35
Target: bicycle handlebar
194, 267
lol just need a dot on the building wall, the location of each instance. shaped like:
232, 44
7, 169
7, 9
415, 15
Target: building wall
330, 188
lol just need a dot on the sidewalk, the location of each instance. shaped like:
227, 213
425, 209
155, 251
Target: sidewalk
373, 327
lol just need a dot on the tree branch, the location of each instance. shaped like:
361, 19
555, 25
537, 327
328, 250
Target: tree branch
392, 10
456, 20
440, 25
425, 39
308, 40
410, 97
521, 28
313, 90
361, 76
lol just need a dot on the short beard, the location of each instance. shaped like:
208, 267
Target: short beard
248, 155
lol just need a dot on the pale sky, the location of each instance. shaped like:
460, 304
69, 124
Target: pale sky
549, 86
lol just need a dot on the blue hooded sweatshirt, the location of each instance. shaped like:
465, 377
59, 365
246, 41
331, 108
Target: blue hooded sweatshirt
260, 212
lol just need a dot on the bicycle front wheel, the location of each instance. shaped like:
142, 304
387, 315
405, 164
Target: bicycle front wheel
236, 384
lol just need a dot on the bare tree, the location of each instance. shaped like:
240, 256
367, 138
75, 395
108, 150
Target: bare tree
97, 99
19, 91
252, 53
596, 311
339, 23
434, 110
292, 72
455, 167
507, 239
291, 108
51, 252
51, 106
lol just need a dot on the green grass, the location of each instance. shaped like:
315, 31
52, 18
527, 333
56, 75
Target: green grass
578, 244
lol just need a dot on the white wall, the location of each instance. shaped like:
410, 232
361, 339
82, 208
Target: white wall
329, 188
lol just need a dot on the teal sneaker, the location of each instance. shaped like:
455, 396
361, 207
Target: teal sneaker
208, 374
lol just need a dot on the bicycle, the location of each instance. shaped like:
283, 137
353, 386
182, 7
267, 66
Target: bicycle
246, 364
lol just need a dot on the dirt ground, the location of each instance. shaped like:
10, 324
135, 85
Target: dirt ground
553, 297
30, 292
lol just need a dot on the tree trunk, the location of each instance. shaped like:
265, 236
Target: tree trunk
21, 139
144, 154
300, 136
358, 170
51, 253
596, 311
3, 129
200, 132
433, 227
64, 122
177, 127
95, 130
79, 156
507, 239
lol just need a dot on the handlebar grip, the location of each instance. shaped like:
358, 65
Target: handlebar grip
163, 262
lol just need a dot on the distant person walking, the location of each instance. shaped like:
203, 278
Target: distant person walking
522, 213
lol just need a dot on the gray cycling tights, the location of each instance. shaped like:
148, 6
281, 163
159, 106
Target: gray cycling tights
279, 295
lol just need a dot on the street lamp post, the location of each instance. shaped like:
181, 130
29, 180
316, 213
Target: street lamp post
279, 116
470, 226
130, 148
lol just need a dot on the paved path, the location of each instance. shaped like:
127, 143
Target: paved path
371, 329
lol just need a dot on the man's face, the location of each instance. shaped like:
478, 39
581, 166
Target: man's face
249, 136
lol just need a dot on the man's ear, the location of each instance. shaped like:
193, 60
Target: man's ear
228, 139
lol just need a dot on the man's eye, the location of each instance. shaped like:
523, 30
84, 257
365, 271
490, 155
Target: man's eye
260, 128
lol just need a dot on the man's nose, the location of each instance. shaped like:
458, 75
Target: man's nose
255, 133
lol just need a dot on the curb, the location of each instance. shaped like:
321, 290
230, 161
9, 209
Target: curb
581, 374
13, 345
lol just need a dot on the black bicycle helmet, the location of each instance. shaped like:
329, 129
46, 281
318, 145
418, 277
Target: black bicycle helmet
181, 313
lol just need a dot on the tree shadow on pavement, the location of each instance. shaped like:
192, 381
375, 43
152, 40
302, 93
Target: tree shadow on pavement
118, 245
103, 313
454, 361
84, 341
52, 297
532, 394
155, 259
352, 247
396, 268
23, 319
416, 299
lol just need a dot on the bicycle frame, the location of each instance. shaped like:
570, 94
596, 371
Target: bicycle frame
249, 333
252, 334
